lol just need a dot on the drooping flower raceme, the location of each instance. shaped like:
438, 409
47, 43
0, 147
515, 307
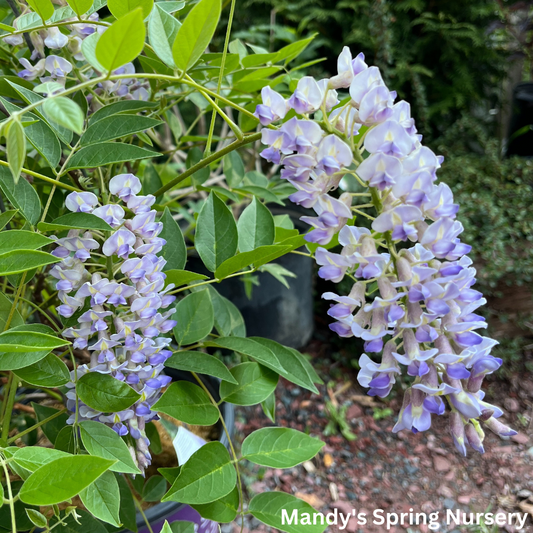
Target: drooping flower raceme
125, 309
412, 300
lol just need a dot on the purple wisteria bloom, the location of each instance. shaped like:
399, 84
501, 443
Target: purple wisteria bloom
413, 300
124, 327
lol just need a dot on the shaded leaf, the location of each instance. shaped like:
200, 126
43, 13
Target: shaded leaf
101, 154
255, 226
255, 384
102, 498
223, 510
110, 128
175, 251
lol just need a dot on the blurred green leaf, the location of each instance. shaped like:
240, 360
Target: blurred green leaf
43, 8
162, 31
65, 112
119, 8
16, 148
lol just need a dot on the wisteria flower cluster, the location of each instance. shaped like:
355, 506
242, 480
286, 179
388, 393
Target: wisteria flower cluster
56, 68
412, 300
128, 313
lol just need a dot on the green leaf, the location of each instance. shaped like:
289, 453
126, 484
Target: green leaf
50, 371
216, 233
102, 441
122, 42
32, 98
22, 240
175, 251
5, 217
188, 403
88, 49
194, 315
196, 33
151, 181
32, 457
120, 108
280, 447
18, 261
289, 52
269, 407
102, 154
255, 384
75, 221
50, 429
110, 128
268, 507
36, 517
179, 526
155, 439
257, 257
102, 498
255, 226
261, 192
170, 473
62, 479
207, 476
16, 148
5, 310
65, 112
102, 392
200, 363
80, 7
228, 318
128, 511
12, 360
162, 31
119, 8
224, 510
27, 341
22, 195
182, 277
251, 348
233, 169
154, 489
194, 156
66, 440
40, 135
43, 8
295, 369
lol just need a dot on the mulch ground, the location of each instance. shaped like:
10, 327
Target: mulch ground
396, 472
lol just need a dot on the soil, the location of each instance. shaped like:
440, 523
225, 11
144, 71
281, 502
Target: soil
396, 472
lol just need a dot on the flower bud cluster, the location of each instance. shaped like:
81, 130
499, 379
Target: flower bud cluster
416, 306
123, 313
56, 68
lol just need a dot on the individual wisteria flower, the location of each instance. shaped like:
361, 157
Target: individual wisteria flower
414, 305
122, 323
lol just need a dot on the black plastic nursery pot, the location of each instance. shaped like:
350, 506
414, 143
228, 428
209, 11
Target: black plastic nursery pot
520, 133
274, 311
173, 511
